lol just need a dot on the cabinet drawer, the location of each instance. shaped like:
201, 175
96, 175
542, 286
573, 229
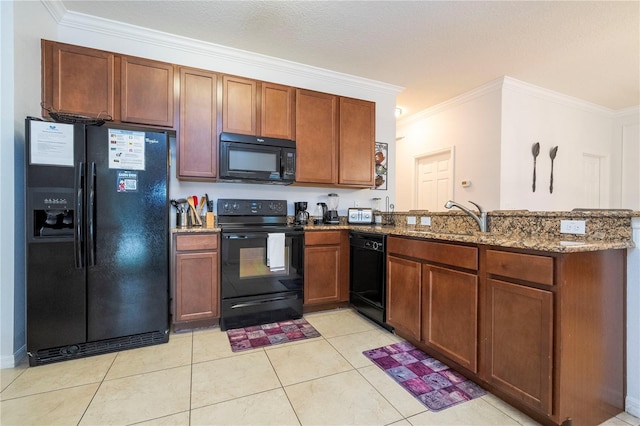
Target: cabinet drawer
428, 251
322, 237
196, 242
528, 267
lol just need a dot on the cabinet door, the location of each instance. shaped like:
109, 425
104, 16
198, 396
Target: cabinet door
196, 286
403, 295
239, 105
450, 314
520, 342
77, 79
316, 137
198, 132
146, 92
357, 142
277, 111
321, 274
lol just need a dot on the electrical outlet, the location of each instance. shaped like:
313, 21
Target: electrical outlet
573, 227
425, 220
356, 203
411, 220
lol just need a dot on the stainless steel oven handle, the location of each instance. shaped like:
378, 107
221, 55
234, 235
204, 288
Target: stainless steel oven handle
259, 302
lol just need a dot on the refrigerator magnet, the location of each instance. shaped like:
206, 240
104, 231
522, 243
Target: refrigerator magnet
127, 181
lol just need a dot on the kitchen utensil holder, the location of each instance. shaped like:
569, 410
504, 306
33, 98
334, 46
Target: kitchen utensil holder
181, 220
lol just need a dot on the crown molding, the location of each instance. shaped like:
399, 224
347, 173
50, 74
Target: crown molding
631, 111
128, 32
55, 8
486, 88
553, 96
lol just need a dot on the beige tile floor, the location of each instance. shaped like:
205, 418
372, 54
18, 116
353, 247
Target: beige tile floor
196, 379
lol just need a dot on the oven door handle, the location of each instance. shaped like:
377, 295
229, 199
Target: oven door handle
259, 302
244, 236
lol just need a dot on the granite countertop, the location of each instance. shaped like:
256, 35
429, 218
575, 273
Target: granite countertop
607, 229
530, 243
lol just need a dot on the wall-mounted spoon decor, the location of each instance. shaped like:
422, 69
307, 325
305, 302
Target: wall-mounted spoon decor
552, 154
535, 150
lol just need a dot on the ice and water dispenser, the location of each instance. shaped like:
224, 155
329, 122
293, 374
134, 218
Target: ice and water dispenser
52, 212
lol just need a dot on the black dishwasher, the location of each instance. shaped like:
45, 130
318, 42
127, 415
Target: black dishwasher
368, 275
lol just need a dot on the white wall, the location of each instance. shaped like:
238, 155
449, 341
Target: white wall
471, 125
6, 189
531, 114
25, 23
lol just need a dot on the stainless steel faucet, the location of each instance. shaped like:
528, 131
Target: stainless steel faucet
482, 220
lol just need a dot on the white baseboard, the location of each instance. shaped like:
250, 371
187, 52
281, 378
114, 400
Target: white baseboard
632, 406
15, 359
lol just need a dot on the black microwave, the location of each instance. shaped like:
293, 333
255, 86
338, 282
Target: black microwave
255, 159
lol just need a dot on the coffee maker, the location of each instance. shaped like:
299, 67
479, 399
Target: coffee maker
331, 216
301, 214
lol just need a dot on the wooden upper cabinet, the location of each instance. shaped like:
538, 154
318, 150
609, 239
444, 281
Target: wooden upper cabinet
198, 131
251, 107
316, 137
146, 92
357, 142
239, 105
78, 80
277, 114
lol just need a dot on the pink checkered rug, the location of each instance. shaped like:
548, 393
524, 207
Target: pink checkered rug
427, 379
258, 336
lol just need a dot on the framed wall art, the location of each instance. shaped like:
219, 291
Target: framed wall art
381, 168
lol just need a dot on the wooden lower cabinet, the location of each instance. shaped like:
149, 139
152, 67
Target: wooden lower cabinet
404, 282
554, 333
326, 267
435, 305
519, 344
196, 289
450, 314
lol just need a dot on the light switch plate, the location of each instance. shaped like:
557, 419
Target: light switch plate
411, 220
573, 227
425, 220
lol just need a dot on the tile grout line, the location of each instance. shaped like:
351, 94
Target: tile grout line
84, 412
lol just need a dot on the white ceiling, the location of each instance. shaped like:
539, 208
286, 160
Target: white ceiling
435, 49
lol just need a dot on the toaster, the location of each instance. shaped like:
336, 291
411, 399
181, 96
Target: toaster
361, 216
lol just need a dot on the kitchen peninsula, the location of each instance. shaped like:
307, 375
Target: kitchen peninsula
535, 316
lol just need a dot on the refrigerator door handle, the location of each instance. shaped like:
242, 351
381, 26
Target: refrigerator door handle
91, 214
77, 235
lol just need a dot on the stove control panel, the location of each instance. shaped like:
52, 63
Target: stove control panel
235, 207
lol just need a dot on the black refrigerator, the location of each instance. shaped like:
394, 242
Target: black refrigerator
97, 243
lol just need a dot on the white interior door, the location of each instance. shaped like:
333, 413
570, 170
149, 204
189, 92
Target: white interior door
434, 180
